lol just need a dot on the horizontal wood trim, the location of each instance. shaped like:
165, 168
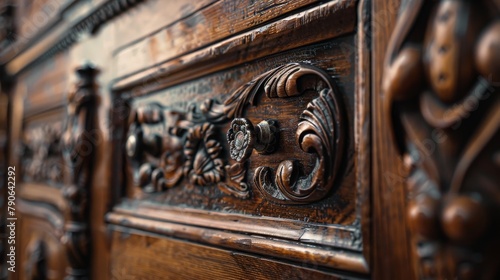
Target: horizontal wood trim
167, 258
324, 22
209, 25
43, 212
288, 250
346, 237
43, 194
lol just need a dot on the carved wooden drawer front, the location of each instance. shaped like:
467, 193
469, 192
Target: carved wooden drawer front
258, 156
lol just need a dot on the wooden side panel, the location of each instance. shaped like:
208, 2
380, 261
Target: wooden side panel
391, 241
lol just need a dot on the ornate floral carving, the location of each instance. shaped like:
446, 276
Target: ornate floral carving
320, 131
203, 163
241, 139
442, 88
188, 147
42, 155
80, 140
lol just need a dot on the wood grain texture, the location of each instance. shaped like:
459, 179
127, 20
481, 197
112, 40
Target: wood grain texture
191, 261
336, 236
200, 29
257, 43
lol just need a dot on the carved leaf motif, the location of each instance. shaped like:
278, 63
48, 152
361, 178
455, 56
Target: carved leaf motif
318, 132
279, 82
234, 185
203, 163
42, 157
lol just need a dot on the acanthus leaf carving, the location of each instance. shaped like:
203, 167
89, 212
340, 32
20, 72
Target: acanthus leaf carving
319, 131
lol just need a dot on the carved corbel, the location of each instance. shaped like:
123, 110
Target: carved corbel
79, 138
441, 85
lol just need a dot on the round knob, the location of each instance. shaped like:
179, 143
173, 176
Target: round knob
137, 143
134, 144
243, 137
464, 219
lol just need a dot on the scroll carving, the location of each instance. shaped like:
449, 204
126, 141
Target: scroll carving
442, 88
168, 144
79, 146
192, 130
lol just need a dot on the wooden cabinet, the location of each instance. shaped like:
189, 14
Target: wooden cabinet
251, 139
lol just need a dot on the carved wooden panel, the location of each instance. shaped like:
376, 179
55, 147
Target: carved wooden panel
190, 147
177, 133
441, 85
266, 149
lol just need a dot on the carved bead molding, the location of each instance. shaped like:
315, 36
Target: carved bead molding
162, 139
80, 136
441, 85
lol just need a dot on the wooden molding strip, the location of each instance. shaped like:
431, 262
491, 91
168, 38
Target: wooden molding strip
338, 236
328, 21
293, 251
44, 212
44, 194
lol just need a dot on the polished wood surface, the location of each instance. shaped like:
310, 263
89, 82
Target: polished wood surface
244, 139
